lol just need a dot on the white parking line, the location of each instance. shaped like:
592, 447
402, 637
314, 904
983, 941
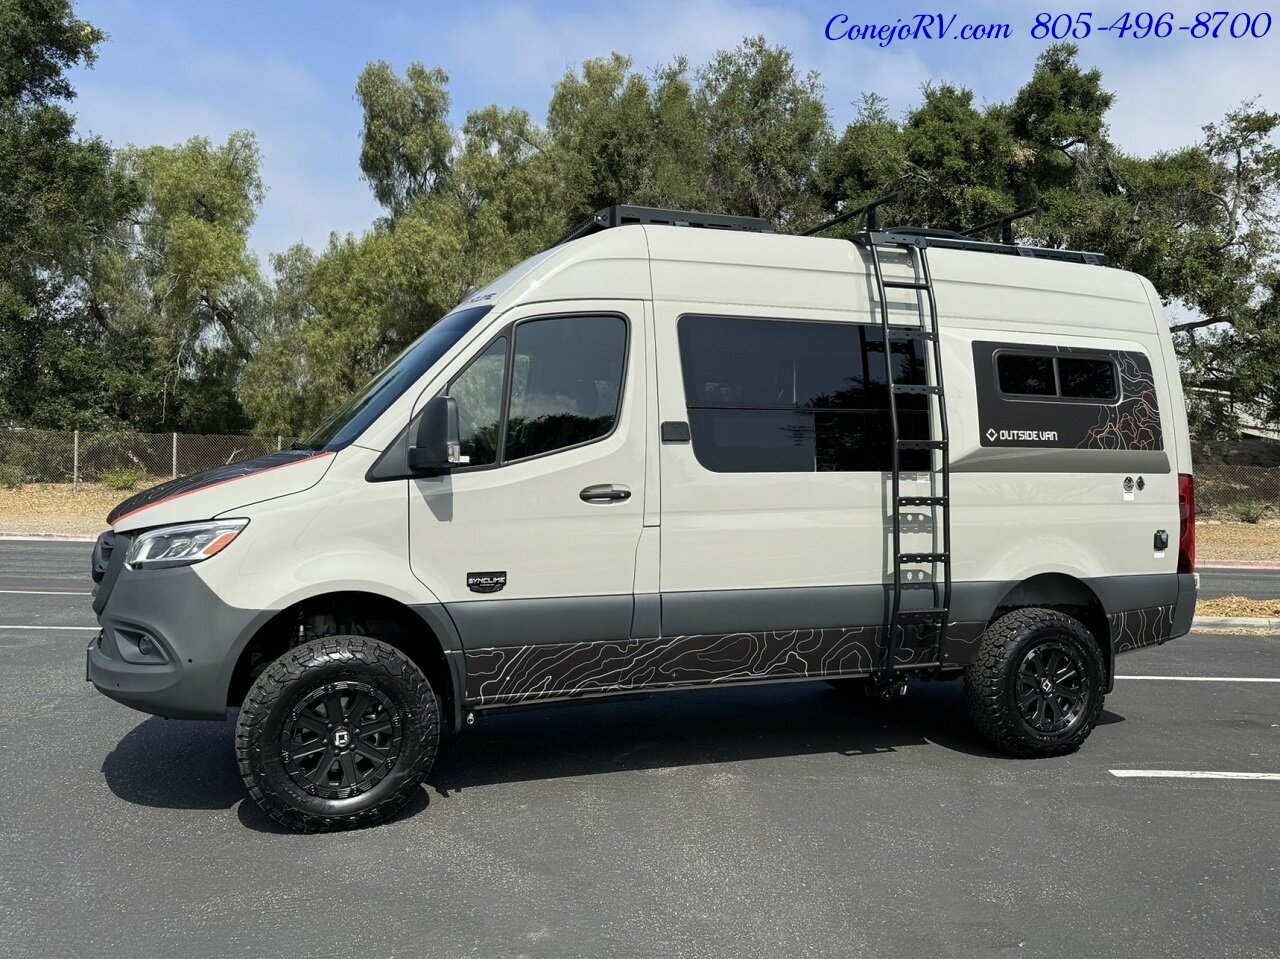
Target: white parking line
1187, 774
41, 592
49, 627
1208, 679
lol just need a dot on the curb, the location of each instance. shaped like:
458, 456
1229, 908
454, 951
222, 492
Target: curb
46, 538
1242, 564
1253, 624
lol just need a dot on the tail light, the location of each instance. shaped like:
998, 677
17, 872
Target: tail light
1186, 523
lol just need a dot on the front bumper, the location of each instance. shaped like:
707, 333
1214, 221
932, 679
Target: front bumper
197, 635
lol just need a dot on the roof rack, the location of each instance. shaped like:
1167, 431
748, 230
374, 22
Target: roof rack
869, 230
622, 214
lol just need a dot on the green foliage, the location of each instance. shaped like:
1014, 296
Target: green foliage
122, 477
11, 477
1252, 512
129, 297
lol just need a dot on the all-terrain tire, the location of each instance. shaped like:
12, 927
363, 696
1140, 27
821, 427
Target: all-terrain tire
1005, 690
364, 708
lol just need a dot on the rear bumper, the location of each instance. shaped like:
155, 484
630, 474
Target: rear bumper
195, 634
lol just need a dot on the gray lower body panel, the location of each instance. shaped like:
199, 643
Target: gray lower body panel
200, 635
533, 650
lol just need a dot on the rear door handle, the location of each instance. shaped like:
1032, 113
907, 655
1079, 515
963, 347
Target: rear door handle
605, 493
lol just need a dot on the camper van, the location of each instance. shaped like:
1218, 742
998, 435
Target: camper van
679, 450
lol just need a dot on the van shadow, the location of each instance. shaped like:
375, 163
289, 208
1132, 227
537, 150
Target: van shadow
191, 765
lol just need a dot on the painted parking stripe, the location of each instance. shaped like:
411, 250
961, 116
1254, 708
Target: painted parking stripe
42, 592
1188, 774
1208, 679
80, 628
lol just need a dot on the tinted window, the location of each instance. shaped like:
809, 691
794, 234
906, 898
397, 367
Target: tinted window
1022, 375
1086, 378
358, 413
1079, 378
566, 382
478, 392
792, 396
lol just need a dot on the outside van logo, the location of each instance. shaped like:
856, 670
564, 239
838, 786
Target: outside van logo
486, 582
1044, 436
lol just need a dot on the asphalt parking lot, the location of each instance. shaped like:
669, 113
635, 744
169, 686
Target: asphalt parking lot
768, 821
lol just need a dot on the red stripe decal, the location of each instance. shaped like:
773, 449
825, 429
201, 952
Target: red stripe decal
175, 496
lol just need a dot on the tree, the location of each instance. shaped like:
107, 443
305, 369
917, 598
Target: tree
57, 194
767, 130
407, 143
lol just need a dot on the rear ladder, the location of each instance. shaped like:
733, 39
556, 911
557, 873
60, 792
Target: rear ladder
931, 620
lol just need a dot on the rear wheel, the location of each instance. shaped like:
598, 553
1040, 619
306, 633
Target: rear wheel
1036, 687
337, 734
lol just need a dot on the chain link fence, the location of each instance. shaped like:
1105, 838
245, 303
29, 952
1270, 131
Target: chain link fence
43, 456
1237, 492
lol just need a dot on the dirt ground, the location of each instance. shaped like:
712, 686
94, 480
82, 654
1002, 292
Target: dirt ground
57, 508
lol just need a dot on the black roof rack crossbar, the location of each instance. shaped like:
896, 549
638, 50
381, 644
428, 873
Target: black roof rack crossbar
869, 212
1005, 223
623, 214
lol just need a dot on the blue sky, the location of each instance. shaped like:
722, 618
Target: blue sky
286, 69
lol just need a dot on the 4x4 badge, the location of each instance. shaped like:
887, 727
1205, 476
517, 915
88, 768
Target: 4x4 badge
486, 582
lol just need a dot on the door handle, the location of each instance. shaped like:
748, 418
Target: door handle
605, 493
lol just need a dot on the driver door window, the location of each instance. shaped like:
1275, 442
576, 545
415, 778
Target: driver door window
563, 388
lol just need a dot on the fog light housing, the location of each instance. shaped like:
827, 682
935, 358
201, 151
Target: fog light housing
139, 647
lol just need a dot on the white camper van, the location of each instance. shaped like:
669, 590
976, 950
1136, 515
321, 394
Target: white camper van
678, 450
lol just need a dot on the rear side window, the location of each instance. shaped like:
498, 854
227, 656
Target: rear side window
788, 396
1050, 375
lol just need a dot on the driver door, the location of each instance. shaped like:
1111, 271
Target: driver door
532, 543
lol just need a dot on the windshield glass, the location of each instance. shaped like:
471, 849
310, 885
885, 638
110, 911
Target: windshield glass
388, 386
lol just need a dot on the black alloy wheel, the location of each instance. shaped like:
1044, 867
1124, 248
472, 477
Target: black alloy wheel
341, 739
1051, 688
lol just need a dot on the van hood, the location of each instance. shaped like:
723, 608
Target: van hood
208, 494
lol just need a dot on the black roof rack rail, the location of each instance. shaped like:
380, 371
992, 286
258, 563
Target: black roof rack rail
1005, 223
946, 240
622, 214
868, 212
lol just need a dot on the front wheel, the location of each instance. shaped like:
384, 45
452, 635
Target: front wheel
1036, 687
337, 734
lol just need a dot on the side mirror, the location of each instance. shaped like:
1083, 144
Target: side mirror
436, 448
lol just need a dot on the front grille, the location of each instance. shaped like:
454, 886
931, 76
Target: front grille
101, 558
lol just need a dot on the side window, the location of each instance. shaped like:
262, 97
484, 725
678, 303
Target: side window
788, 396
1086, 378
1026, 375
478, 392
1059, 375
566, 383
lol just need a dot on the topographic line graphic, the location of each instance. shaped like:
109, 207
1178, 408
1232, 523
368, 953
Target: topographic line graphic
1134, 422
519, 673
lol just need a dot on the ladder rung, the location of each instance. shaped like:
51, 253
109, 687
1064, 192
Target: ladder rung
917, 389
922, 501
905, 285
913, 558
922, 444
911, 333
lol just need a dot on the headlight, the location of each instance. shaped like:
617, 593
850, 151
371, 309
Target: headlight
182, 545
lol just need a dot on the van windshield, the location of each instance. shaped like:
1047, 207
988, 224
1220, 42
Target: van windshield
355, 416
